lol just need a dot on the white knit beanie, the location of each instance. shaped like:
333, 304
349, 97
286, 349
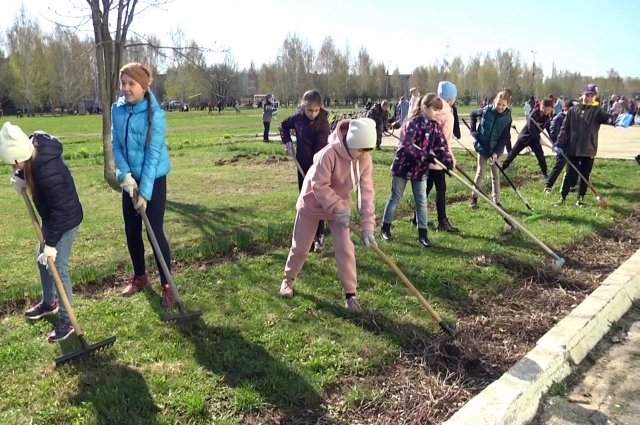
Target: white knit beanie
362, 134
15, 146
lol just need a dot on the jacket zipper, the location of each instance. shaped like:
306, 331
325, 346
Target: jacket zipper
126, 133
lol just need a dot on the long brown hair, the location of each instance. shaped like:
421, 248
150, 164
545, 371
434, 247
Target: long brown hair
313, 97
28, 174
505, 95
429, 100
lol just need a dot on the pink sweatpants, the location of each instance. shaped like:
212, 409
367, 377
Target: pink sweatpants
304, 230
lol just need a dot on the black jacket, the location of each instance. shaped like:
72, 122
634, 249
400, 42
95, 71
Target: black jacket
530, 131
579, 132
55, 195
556, 125
311, 136
456, 123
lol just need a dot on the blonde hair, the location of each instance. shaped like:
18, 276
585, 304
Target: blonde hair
429, 100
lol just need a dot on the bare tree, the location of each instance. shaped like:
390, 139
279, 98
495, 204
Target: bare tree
25, 57
225, 78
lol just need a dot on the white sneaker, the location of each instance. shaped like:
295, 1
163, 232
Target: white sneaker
354, 305
286, 288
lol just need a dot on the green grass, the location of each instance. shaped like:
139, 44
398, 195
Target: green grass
230, 227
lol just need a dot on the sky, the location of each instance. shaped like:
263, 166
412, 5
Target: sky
587, 36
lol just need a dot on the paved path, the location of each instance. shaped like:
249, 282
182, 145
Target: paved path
613, 142
606, 387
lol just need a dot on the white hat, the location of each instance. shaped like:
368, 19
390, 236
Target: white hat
15, 146
362, 134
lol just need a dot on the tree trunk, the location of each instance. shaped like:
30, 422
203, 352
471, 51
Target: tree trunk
105, 67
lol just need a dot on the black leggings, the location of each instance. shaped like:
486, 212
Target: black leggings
437, 178
582, 163
320, 230
561, 163
267, 125
133, 227
519, 147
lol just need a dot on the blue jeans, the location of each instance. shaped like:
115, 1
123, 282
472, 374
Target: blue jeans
419, 188
62, 265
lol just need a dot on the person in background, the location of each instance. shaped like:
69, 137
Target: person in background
415, 97
267, 115
380, 114
554, 130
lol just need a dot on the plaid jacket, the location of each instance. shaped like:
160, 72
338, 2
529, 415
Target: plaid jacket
417, 138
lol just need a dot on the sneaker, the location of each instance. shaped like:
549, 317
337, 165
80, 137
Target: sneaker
286, 288
559, 203
41, 310
318, 244
580, 202
61, 331
354, 305
135, 284
473, 204
547, 190
167, 296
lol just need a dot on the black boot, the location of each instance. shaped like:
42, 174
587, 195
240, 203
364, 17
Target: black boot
423, 239
473, 204
445, 226
385, 233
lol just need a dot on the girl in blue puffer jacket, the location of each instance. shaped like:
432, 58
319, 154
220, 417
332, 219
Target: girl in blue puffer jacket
142, 163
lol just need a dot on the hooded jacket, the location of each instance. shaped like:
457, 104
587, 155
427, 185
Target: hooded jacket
327, 186
55, 195
579, 132
129, 124
447, 121
311, 136
530, 131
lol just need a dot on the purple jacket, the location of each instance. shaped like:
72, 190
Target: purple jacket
417, 138
311, 136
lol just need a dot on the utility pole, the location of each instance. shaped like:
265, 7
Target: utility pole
533, 73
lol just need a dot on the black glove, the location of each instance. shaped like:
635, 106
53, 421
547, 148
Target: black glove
449, 165
429, 158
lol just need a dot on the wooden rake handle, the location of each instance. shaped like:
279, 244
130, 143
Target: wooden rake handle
52, 267
401, 275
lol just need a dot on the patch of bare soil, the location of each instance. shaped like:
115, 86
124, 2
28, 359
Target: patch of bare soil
434, 376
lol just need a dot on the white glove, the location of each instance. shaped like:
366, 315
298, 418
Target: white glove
129, 184
18, 184
289, 147
344, 218
368, 238
142, 203
47, 252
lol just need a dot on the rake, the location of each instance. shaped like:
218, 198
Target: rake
445, 327
534, 215
182, 315
558, 261
601, 201
85, 350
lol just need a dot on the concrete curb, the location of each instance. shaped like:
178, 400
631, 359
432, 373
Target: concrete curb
514, 398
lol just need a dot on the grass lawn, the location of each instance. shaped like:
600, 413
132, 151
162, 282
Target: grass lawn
231, 204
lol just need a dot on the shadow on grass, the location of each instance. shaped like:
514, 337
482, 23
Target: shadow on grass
249, 367
118, 394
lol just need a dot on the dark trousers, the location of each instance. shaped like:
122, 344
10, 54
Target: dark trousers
133, 227
267, 125
378, 136
519, 147
560, 164
582, 163
320, 230
437, 178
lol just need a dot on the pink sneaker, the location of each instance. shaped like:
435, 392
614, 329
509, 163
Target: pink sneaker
286, 289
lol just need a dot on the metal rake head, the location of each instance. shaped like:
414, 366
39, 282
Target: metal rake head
182, 317
85, 352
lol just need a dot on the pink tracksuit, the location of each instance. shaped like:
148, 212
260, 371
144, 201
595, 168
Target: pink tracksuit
326, 190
